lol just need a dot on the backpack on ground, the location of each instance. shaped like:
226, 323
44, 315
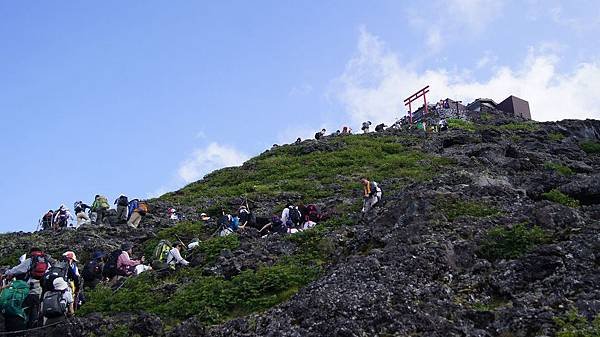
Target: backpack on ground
58, 269
54, 305
295, 215
91, 271
142, 208
11, 299
122, 201
162, 250
39, 265
110, 268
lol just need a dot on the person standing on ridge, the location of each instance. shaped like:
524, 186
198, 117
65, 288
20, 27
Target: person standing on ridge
122, 204
365, 126
82, 218
371, 194
100, 207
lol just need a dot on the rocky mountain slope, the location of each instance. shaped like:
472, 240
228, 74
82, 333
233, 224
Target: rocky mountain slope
489, 229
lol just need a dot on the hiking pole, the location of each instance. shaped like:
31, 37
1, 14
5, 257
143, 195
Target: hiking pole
185, 247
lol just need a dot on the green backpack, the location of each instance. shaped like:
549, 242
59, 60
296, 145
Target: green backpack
11, 299
162, 250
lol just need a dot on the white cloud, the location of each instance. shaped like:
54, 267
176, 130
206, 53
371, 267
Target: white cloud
375, 83
208, 159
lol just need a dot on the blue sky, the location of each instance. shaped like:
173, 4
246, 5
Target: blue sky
142, 97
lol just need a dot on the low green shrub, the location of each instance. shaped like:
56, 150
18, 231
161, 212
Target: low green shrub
556, 136
455, 123
511, 242
457, 208
572, 324
590, 147
520, 126
561, 198
561, 169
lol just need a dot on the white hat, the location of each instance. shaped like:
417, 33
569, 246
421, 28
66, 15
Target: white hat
59, 283
70, 255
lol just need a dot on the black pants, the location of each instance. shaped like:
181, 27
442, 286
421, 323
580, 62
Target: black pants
101, 216
122, 214
32, 302
12, 323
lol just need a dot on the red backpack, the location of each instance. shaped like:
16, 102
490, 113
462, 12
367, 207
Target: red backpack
39, 265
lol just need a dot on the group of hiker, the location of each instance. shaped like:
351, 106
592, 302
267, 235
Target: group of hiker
127, 211
442, 125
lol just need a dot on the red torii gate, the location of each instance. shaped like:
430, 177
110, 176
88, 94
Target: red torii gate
413, 98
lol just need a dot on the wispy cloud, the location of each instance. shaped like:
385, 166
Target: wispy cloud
205, 160
375, 82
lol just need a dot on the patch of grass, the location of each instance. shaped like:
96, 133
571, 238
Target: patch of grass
455, 123
561, 169
557, 196
575, 325
510, 243
454, 209
520, 126
556, 136
590, 147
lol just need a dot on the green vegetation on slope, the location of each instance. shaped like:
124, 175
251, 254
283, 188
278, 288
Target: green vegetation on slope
454, 209
575, 325
333, 168
511, 242
561, 169
561, 198
590, 147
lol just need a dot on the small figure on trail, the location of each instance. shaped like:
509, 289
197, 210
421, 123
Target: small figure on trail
125, 265
137, 209
320, 134
371, 194
73, 277
58, 303
61, 217
443, 125
246, 217
365, 126
100, 208
346, 130
380, 127
172, 212
274, 226
298, 140
204, 217
92, 271
174, 256
82, 218
122, 204
291, 216
47, 220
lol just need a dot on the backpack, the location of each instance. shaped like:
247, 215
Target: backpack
11, 299
54, 305
77, 207
277, 225
251, 218
58, 269
110, 268
295, 215
162, 250
142, 208
122, 201
91, 271
39, 265
224, 220
103, 202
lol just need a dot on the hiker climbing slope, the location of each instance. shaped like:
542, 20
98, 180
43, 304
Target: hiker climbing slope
122, 204
371, 194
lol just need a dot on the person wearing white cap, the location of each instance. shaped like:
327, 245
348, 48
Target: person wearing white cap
58, 303
204, 217
73, 276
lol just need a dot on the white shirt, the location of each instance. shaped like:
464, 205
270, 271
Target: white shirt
285, 215
174, 257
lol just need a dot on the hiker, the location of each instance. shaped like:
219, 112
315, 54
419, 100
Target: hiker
92, 271
61, 217
32, 271
138, 210
125, 265
204, 217
172, 214
12, 305
246, 217
174, 258
291, 216
443, 125
346, 130
47, 220
223, 223
275, 226
365, 126
312, 213
73, 276
122, 204
100, 207
372, 194
380, 127
82, 218
58, 303
298, 140
320, 134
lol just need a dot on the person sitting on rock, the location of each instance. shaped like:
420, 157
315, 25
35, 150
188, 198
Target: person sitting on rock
371, 194
320, 134
125, 265
174, 258
380, 127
